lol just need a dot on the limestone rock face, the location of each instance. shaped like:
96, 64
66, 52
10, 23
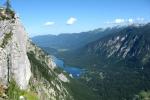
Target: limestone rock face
27, 65
14, 63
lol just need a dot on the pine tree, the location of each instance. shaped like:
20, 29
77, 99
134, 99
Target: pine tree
9, 10
8, 5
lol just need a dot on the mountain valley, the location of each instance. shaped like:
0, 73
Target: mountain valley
117, 63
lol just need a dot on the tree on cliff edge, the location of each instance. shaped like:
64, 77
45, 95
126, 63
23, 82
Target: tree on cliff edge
8, 5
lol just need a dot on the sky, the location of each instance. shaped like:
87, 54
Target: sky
42, 17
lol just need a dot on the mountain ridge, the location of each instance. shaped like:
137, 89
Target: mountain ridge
117, 64
70, 41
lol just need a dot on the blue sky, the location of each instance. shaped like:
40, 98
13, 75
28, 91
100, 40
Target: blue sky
68, 16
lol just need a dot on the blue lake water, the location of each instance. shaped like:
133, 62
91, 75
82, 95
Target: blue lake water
74, 71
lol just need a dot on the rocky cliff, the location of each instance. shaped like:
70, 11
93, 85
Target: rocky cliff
14, 63
25, 70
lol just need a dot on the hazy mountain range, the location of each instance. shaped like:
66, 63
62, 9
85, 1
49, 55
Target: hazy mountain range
117, 59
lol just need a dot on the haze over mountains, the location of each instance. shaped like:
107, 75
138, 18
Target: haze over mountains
73, 40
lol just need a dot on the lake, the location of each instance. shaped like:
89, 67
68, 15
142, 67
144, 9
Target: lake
73, 71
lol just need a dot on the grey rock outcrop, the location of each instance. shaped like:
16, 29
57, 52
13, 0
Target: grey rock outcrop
27, 65
14, 63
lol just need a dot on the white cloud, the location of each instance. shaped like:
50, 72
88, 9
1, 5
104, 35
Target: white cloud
130, 20
49, 23
116, 21
119, 21
71, 21
125, 21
